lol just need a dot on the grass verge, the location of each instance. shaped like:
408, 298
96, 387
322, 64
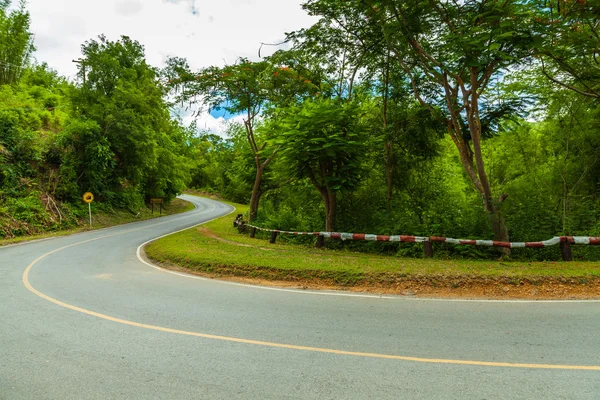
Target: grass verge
216, 249
105, 219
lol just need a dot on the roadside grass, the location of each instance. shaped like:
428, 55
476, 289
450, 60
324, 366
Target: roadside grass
217, 248
105, 219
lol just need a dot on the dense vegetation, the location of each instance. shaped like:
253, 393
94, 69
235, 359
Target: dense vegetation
471, 119
110, 133
475, 119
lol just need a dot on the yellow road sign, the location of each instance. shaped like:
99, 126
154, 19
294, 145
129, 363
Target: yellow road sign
88, 197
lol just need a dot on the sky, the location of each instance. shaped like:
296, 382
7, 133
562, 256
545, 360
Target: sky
202, 31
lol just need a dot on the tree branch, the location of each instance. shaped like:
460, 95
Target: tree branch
570, 87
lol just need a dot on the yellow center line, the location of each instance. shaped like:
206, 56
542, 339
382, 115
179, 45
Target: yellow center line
28, 285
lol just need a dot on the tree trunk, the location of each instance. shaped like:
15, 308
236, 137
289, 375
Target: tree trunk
479, 178
474, 122
389, 167
330, 222
499, 228
255, 197
498, 223
329, 199
389, 174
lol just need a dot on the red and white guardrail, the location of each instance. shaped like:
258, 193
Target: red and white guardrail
420, 239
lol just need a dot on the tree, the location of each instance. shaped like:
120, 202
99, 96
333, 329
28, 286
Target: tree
410, 133
239, 88
16, 42
453, 53
569, 50
340, 46
246, 88
323, 140
124, 146
349, 54
408, 130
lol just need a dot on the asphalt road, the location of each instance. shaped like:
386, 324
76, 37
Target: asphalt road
81, 317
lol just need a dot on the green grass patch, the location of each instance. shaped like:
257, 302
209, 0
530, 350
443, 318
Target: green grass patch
217, 248
105, 219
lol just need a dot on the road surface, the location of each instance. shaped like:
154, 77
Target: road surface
81, 317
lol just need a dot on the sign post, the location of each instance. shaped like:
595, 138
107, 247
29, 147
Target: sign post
88, 198
157, 201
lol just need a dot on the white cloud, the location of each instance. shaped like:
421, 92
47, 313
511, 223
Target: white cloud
205, 32
128, 8
208, 123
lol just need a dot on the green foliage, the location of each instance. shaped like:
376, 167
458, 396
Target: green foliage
31, 118
569, 32
123, 145
322, 140
293, 206
222, 166
111, 135
549, 170
16, 44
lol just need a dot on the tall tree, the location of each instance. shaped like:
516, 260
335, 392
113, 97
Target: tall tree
246, 88
409, 131
16, 42
239, 89
323, 141
453, 53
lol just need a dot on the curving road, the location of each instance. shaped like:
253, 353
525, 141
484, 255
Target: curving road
81, 317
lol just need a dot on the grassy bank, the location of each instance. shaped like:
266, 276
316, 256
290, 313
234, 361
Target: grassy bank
218, 250
104, 219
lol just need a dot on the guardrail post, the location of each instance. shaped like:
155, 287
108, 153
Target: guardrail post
320, 241
273, 237
428, 249
565, 249
252, 232
238, 219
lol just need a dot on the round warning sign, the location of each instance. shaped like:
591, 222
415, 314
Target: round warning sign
88, 197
